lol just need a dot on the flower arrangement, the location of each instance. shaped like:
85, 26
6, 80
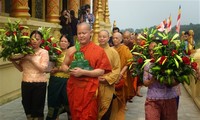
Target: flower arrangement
50, 44
171, 63
140, 53
14, 41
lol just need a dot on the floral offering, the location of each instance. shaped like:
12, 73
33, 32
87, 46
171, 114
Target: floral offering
140, 53
171, 62
49, 44
14, 41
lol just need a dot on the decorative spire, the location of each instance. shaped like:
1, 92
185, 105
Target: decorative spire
100, 10
96, 29
106, 18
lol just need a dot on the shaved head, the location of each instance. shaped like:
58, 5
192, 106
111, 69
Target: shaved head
84, 33
118, 34
127, 33
86, 25
117, 39
126, 37
104, 31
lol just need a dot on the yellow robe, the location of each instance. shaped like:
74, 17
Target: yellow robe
106, 90
120, 103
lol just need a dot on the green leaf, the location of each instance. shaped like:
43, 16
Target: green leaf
145, 63
25, 37
186, 79
162, 78
179, 58
160, 34
169, 80
142, 37
176, 62
174, 37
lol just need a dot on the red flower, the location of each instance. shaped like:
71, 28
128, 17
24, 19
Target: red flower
152, 60
49, 40
174, 52
43, 41
140, 60
188, 52
30, 45
8, 33
58, 52
54, 45
15, 33
21, 27
162, 60
186, 60
194, 65
142, 43
47, 48
165, 42
25, 33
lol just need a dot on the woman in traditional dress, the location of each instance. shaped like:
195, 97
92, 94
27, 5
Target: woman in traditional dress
34, 80
57, 96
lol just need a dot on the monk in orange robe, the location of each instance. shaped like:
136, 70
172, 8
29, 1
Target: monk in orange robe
131, 88
82, 86
122, 93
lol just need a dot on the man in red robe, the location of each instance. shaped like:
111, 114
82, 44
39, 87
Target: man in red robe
82, 86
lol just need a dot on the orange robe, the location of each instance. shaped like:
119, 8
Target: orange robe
82, 91
122, 94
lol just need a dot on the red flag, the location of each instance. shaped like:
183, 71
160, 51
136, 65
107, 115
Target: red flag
169, 23
178, 20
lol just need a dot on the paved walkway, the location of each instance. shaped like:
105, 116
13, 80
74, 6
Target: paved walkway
187, 109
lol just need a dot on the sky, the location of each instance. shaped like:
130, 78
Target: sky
138, 14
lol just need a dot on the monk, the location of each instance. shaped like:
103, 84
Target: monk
82, 86
127, 41
107, 81
119, 104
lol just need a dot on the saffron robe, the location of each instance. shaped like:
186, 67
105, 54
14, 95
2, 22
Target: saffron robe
82, 91
119, 104
106, 90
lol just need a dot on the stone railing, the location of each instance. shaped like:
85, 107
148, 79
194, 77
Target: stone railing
194, 87
10, 77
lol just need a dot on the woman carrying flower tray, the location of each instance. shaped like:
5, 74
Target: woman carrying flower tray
161, 102
57, 95
34, 79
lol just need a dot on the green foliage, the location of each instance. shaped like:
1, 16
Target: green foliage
14, 41
170, 63
191, 26
50, 45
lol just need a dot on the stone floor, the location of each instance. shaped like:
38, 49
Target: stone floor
187, 109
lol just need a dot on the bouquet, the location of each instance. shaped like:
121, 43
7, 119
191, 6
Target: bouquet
173, 63
14, 41
50, 45
140, 53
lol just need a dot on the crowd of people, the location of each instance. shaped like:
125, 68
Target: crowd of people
98, 94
